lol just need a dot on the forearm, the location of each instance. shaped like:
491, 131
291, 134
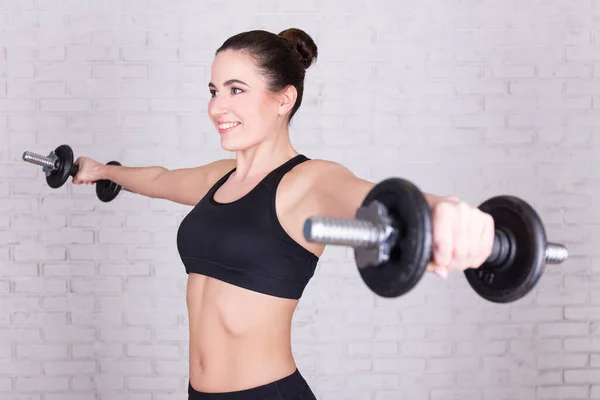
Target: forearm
140, 180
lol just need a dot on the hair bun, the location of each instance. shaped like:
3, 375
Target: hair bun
303, 44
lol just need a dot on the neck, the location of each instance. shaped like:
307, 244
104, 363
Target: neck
264, 157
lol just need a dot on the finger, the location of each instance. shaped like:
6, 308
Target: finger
453, 199
460, 236
486, 239
442, 272
474, 234
435, 269
443, 218
430, 267
76, 179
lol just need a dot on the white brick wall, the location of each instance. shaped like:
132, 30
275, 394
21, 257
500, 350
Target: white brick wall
473, 98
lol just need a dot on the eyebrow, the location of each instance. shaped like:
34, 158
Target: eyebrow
229, 83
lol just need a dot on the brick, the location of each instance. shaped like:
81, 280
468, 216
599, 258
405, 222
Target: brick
112, 72
65, 105
95, 87
562, 329
68, 335
116, 38
39, 319
41, 285
148, 54
32, 54
153, 383
124, 334
149, 319
98, 350
56, 71
44, 384
174, 368
562, 392
562, 361
96, 285
68, 368
44, 352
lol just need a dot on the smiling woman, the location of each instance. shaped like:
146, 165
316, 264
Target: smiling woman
242, 244
255, 75
246, 271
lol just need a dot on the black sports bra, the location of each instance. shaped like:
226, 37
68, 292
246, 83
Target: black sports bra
243, 243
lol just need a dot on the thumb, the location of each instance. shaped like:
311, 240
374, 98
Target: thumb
438, 270
442, 272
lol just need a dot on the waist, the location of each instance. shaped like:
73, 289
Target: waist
225, 365
290, 386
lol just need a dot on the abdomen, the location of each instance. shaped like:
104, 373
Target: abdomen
238, 338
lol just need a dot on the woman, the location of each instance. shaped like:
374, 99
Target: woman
242, 244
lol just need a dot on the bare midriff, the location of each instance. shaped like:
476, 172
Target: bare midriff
239, 339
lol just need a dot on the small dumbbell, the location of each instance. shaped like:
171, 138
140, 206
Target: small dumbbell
59, 165
392, 240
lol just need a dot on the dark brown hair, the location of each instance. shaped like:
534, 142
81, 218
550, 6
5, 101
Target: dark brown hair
282, 59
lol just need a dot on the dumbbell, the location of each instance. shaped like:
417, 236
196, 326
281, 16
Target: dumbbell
392, 237
59, 165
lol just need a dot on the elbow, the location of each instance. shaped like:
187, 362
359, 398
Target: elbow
158, 183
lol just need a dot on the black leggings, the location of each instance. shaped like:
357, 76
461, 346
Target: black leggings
292, 387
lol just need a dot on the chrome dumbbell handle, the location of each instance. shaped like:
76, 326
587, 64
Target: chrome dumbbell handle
50, 163
60, 164
345, 232
43, 161
556, 253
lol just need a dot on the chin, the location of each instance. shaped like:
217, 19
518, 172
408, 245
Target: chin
239, 142
233, 145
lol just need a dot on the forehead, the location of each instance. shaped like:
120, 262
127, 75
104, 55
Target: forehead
232, 64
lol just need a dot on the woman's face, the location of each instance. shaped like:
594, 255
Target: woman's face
241, 107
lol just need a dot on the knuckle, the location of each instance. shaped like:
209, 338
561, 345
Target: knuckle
461, 253
488, 219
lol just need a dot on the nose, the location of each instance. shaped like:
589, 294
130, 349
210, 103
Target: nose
218, 107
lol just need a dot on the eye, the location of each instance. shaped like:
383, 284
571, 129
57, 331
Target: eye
213, 92
233, 90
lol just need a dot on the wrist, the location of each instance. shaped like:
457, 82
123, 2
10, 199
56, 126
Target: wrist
103, 171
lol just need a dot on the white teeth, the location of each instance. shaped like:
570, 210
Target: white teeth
228, 125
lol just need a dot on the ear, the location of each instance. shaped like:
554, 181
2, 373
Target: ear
287, 99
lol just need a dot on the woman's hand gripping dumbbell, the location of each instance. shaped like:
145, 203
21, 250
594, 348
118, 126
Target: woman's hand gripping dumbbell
59, 165
392, 237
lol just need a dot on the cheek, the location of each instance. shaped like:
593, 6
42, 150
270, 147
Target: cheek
254, 109
267, 108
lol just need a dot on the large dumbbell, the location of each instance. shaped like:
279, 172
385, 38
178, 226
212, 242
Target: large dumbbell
392, 239
59, 165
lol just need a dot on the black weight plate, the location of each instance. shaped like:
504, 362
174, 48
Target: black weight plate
412, 251
107, 190
510, 282
58, 177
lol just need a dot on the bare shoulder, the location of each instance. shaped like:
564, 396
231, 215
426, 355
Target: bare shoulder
189, 185
336, 189
325, 173
320, 171
216, 169
207, 174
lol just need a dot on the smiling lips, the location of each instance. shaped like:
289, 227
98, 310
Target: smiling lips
225, 127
